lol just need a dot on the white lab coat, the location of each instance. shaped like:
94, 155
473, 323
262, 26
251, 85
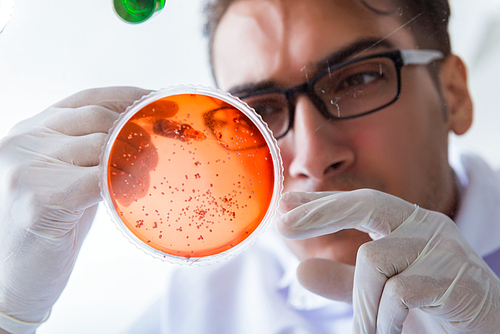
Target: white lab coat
257, 291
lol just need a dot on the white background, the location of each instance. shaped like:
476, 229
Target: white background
53, 48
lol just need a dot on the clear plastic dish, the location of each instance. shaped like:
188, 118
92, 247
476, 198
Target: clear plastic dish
191, 174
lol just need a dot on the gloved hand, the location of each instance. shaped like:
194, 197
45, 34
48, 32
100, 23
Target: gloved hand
418, 260
131, 160
48, 198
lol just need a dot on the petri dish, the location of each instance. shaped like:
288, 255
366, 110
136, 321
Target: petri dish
191, 174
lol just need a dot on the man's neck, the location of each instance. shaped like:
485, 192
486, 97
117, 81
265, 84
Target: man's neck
454, 201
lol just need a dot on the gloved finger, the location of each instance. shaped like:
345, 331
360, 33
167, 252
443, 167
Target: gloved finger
392, 316
368, 210
135, 154
113, 98
82, 150
376, 263
130, 162
84, 224
64, 209
77, 189
402, 293
128, 187
327, 278
80, 121
129, 169
291, 200
85, 190
433, 294
65, 118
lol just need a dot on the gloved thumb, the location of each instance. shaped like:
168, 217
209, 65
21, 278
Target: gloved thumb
327, 278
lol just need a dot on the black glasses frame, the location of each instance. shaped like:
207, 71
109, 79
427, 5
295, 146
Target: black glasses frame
307, 88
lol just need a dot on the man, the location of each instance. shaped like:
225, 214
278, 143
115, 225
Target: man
366, 97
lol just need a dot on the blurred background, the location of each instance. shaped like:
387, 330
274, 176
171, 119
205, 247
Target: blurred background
53, 48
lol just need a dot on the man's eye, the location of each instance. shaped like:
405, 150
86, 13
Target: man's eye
359, 79
267, 107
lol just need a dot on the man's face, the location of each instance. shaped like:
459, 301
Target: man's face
401, 149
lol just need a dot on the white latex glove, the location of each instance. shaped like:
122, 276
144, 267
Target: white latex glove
48, 198
422, 261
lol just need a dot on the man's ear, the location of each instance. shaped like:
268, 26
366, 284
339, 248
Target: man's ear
453, 80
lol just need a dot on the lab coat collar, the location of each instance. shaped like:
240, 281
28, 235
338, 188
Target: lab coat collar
477, 218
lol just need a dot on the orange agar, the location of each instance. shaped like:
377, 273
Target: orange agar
190, 175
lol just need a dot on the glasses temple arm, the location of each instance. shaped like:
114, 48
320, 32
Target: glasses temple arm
420, 57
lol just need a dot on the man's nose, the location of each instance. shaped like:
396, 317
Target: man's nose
319, 145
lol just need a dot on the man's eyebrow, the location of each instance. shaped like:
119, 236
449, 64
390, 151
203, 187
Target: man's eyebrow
253, 87
351, 51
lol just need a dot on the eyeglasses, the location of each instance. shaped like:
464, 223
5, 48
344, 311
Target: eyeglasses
351, 89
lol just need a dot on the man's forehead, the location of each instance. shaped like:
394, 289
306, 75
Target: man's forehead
290, 11
269, 35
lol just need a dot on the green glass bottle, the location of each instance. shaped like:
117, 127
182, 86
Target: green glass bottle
137, 11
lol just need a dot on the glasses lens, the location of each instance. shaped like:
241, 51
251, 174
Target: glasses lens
273, 108
358, 88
